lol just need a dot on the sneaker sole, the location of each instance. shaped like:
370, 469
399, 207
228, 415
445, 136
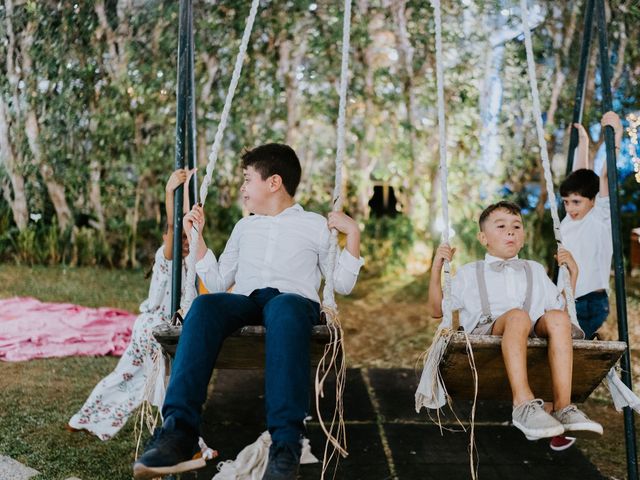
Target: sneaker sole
142, 472
569, 444
584, 430
537, 434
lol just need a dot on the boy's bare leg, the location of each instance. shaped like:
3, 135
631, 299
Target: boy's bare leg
514, 327
556, 327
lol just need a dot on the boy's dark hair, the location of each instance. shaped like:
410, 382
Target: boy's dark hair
582, 182
275, 159
503, 205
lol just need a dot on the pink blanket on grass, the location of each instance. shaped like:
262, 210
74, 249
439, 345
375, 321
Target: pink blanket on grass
31, 329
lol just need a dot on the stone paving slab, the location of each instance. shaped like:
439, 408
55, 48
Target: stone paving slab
419, 451
234, 417
11, 469
395, 390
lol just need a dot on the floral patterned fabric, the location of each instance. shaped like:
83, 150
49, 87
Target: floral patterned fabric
140, 372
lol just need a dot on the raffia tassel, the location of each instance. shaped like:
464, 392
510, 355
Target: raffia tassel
432, 392
333, 359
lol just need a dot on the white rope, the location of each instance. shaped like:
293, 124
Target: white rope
190, 287
333, 358
328, 296
447, 316
563, 277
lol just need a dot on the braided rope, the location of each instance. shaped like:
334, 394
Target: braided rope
190, 288
564, 277
333, 358
447, 317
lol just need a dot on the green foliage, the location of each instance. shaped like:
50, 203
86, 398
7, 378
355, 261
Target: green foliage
386, 242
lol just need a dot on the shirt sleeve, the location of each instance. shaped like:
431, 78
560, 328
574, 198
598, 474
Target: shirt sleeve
219, 275
160, 277
603, 210
346, 266
458, 284
553, 297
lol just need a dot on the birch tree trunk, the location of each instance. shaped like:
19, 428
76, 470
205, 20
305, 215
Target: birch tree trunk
13, 190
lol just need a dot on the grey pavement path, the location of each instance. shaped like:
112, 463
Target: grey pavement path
387, 439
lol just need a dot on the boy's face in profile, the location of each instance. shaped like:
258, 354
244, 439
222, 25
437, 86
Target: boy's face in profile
502, 234
255, 191
577, 206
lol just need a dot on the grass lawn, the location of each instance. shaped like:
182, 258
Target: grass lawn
385, 323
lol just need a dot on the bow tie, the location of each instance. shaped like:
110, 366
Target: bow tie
514, 263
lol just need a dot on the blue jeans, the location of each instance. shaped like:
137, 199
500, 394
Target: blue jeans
288, 319
592, 310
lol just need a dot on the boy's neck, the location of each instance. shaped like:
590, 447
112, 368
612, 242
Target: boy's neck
500, 256
277, 206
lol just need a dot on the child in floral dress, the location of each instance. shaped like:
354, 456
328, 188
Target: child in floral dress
139, 375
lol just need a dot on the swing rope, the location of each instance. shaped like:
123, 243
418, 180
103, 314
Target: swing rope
190, 287
333, 358
563, 278
431, 392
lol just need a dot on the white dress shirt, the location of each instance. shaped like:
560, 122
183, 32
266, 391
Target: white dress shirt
589, 241
288, 251
507, 290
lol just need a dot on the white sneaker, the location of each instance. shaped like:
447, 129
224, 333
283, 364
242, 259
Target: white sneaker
576, 421
532, 420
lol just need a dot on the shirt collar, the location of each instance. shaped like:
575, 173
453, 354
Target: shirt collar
491, 259
295, 208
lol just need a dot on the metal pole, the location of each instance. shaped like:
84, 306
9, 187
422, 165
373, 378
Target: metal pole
191, 113
578, 106
618, 263
181, 109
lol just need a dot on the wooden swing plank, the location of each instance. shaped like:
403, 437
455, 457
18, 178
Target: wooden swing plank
592, 360
245, 349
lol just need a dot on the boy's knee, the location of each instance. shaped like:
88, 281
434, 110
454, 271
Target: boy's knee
519, 317
557, 320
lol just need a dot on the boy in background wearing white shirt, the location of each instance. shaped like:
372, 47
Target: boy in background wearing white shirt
515, 299
274, 259
586, 233
586, 230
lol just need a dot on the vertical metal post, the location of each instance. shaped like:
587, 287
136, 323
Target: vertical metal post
578, 106
191, 113
181, 110
618, 263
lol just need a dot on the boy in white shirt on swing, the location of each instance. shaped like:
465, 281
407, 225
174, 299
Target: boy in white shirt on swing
513, 298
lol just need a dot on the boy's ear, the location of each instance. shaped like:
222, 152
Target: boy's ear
482, 238
275, 182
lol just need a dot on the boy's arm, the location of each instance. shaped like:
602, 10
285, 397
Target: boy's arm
218, 275
347, 225
565, 258
348, 261
612, 120
444, 252
581, 156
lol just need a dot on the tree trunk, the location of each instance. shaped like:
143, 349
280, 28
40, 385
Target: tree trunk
15, 193
406, 58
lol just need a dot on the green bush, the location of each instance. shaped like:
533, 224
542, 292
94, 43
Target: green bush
386, 242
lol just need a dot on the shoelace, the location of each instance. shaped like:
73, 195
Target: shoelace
531, 407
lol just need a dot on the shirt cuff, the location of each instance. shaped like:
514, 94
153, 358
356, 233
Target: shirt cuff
205, 263
350, 263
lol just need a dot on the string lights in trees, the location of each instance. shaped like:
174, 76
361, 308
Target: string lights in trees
632, 131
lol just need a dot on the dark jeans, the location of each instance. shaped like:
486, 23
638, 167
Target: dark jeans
592, 310
288, 319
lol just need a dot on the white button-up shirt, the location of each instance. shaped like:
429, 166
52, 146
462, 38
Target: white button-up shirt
506, 289
589, 241
288, 251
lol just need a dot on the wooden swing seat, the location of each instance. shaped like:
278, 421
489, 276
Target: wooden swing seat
592, 359
245, 348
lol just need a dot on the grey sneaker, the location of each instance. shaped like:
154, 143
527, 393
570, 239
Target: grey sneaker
576, 421
531, 419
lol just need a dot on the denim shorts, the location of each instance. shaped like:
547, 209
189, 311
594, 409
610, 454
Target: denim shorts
592, 310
